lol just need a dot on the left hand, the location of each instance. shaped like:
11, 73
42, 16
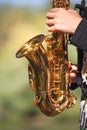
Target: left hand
73, 74
62, 20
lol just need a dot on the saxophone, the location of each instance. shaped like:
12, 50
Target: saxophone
49, 69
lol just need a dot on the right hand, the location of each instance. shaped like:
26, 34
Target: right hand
74, 74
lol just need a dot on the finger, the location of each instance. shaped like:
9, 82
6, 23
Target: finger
73, 75
72, 11
50, 15
51, 29
74, 67
54, 9
50, 22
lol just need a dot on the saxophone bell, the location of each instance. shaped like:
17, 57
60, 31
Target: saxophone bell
30, 45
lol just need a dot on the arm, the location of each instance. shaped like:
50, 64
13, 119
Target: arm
79, 38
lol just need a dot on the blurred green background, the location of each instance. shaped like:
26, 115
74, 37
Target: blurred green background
17, 111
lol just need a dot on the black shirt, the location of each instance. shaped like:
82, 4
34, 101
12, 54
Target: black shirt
79, 39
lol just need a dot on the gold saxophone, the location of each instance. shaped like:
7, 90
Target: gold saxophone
49, 69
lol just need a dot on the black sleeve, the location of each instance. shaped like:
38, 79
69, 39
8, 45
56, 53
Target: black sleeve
77, 84
79, 38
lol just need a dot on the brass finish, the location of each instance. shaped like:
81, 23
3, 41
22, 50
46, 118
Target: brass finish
49, 69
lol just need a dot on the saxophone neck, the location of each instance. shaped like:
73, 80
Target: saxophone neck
60, 3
